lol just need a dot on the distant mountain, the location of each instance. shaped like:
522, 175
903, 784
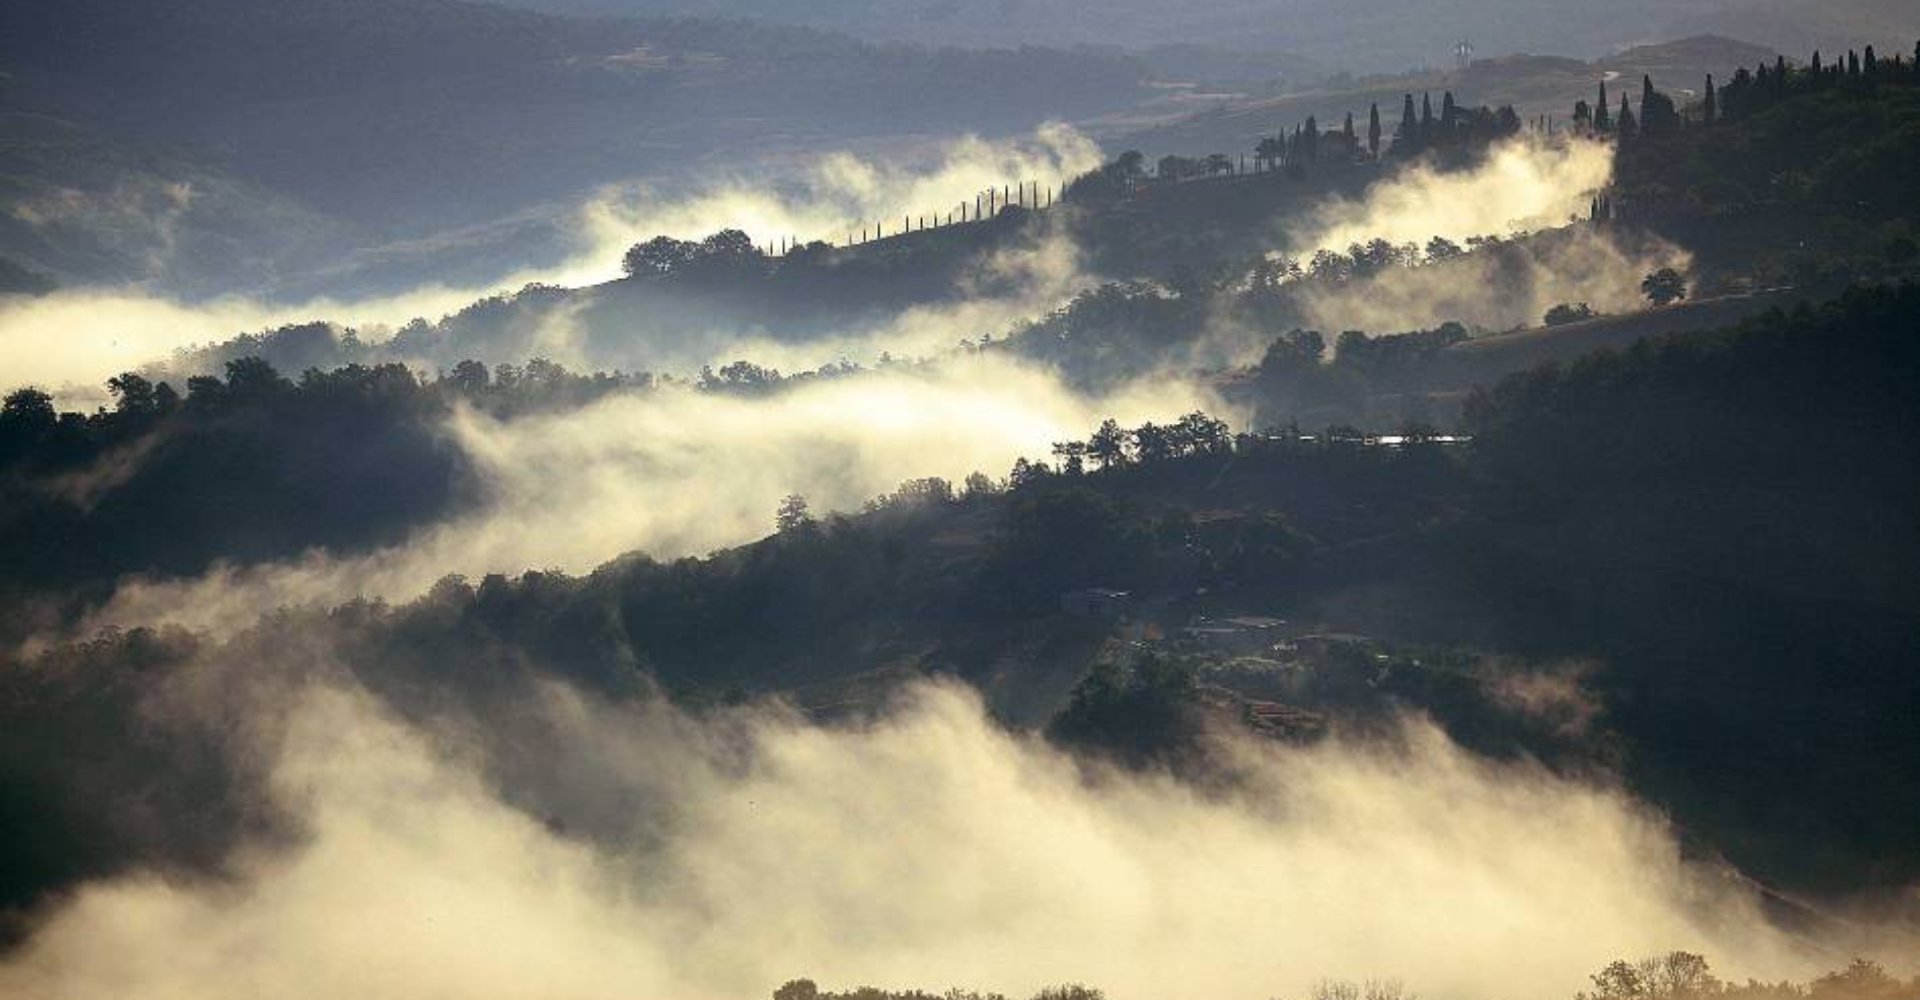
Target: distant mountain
401, 118
1534, 85
1361, 35
84, 205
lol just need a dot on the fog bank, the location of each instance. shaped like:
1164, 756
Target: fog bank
76, 338
927, 847
679, 472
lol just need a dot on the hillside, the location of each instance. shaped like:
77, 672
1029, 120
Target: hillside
397, 120
1466, 550
1533, 85
1377, 35
1746, 581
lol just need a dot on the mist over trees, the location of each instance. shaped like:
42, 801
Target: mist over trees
1272, 523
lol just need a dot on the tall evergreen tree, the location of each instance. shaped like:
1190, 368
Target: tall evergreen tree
1373, 130
1736, 99
1353, 141
1658, 116
1602, 117
1426, 117
1406, 138
1710, 105
1869, 66
1625, 125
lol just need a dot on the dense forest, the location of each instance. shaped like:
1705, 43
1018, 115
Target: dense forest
1605, 518
1581, 522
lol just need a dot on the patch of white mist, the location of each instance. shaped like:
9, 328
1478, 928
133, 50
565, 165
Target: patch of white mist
74, 339
928, 847
678, 472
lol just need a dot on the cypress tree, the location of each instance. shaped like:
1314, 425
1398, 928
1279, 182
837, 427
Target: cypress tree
1710, 105
1602, 117
1626, 126
1353, 141
1408, 134
1853, 64
1870, 65
1426, 116
1658, 116
1373, 130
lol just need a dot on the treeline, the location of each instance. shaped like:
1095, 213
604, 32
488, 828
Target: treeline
35, 434
805, 989
250, 467
1683, 975
1749, 93
1677, 975
1455, 127
1454, 130
1111, 446
1109, 335
1788, 173
254, 466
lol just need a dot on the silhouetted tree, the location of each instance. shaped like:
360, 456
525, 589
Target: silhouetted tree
1108, 445
1625, 124
658, 256
470, 378
1269, 151
252, 379
1565, 313
797, 989
793, 514
133, 394
27, 413
1658, 116
1072, 456
1664, 286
